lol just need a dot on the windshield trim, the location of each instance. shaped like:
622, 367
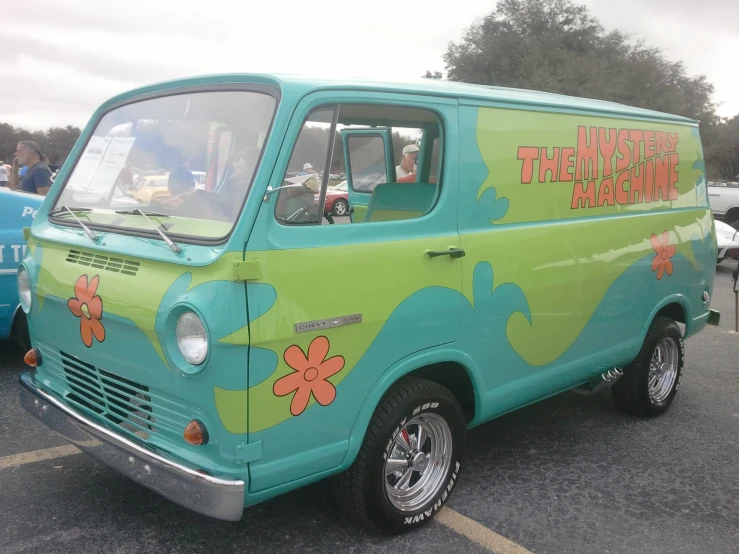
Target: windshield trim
271, 90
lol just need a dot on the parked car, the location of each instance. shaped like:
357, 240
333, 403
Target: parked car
17, 210
154, 186
728, 242
337, 199
150, 187
723, 196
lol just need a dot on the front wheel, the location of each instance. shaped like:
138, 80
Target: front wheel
651, 381
20, 332
340, 207
409, 461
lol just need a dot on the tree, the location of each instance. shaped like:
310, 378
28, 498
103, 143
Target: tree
557, 46
722, 152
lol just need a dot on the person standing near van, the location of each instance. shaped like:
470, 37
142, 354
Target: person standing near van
3, 175
37, 178
312, 182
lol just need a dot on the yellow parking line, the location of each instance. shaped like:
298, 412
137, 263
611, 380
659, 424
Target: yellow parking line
478, 533
38, 456
455, 521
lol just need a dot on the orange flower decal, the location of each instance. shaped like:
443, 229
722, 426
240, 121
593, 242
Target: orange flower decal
89, 308
665, 251
309, 376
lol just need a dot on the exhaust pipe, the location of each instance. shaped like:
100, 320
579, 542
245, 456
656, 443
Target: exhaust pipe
612, 375
607, 378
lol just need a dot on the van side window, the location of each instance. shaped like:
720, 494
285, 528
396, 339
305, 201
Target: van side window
385, 165
298, 200
368, 167
392, 161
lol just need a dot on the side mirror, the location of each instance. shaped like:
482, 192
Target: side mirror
270, 191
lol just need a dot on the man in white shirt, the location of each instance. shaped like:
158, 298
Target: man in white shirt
3, 175
407, 162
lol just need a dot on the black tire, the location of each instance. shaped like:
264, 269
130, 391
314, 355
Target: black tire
340, 207
734, 223
361, 490
631, 392
20, 332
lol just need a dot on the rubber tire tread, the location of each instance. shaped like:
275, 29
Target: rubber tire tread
627, 391
348, 487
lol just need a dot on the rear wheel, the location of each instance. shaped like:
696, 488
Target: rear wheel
734, 223
651, 381
409, 461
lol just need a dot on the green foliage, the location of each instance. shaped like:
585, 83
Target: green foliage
557, 46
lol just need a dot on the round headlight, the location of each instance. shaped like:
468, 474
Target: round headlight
24, 288
192, 339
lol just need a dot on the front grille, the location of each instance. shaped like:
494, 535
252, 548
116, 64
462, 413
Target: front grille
106, 263
122, 402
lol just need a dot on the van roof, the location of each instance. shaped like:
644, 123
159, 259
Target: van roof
500, 96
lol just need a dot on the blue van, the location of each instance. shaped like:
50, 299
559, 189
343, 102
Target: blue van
17, 210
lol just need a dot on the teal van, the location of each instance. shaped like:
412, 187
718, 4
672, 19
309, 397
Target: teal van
234, 341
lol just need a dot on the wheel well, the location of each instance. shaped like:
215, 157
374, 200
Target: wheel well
674, 311
732, 214
454, 377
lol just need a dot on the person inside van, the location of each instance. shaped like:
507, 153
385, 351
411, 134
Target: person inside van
181, 179
407, 165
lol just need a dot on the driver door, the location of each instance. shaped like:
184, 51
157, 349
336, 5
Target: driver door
368, 157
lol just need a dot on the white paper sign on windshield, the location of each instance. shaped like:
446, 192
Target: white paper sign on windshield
110, 166
88, 163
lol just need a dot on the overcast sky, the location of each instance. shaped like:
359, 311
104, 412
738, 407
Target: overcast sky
60, 59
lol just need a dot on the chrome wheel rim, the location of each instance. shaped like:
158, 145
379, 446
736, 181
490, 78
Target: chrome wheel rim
340, 208
663, 369
418, 461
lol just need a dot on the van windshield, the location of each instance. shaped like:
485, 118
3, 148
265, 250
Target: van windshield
190, 157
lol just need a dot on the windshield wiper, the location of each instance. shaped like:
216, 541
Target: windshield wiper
176, 249
136, 211
61, 209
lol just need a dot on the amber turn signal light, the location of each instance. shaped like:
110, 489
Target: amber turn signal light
196, 433
33, 357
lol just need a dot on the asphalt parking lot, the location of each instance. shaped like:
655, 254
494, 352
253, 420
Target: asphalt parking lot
569, 475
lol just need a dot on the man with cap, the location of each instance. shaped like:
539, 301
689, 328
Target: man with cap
407, 164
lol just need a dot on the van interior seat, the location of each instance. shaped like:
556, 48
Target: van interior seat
395, 201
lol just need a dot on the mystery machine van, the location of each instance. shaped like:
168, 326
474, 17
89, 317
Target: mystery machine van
226, 344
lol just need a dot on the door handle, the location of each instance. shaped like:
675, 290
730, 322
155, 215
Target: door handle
452, 252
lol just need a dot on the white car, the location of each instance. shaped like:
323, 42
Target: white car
723, 197
728, 241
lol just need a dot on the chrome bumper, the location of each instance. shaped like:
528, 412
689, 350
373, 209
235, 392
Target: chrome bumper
214, 497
